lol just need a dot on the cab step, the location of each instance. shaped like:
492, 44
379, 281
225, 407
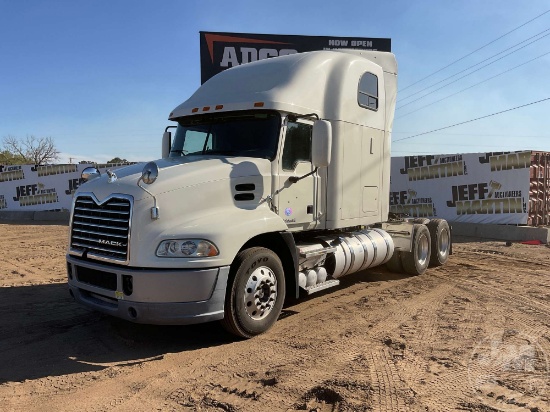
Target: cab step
322, 286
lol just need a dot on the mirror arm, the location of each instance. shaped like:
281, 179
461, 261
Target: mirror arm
294, 179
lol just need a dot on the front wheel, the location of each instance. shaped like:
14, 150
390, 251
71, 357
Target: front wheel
255, 294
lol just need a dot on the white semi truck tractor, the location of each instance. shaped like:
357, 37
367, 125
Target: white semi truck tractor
275, 180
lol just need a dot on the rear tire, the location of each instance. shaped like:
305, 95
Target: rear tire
421, 220
255, 293
441, 242
416, 261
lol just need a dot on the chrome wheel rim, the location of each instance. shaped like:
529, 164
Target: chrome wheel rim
260, 293
443, 244
422, 250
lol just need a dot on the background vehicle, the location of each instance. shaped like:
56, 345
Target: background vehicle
276, 179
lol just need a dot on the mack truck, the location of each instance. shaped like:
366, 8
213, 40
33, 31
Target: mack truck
274, 182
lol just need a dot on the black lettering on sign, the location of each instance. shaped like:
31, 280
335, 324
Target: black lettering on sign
476, 191
418, 161
27, 190
398, 198
73, 185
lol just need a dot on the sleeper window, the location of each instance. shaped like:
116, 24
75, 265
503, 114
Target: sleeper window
367, 95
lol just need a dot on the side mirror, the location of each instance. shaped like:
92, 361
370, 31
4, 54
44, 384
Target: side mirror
321, 143
166, 143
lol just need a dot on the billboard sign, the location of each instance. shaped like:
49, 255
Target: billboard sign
220, 51
41, 188
486, 187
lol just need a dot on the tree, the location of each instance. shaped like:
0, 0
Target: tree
8, 158
117, 160
31, 150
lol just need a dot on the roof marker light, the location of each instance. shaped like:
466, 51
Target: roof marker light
205, 108
259, 104
219, 106
195, 110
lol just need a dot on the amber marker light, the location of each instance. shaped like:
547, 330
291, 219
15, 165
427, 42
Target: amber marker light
259, 104
195, 110
219, 106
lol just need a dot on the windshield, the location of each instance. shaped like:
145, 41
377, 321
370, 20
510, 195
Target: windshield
251, 134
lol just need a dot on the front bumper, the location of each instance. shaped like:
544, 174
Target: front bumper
151, 296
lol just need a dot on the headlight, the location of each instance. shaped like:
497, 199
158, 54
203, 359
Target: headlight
187, 248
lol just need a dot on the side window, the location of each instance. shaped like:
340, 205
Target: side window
367, 95
297, 145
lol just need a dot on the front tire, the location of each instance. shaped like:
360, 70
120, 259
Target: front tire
255, 294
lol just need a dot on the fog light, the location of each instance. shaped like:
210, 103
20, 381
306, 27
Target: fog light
132, 312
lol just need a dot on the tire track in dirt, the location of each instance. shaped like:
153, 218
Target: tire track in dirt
390, 392
513, 311
382, 367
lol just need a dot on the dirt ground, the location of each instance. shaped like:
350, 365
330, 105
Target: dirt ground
471, 336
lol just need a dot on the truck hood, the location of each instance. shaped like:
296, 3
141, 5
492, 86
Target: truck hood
175, 174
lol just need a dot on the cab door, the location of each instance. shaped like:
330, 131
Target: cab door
297, 201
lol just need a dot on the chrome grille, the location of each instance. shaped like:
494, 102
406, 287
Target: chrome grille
101, 231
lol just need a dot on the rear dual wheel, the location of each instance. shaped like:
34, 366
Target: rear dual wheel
431, 249
440, 233
417, 260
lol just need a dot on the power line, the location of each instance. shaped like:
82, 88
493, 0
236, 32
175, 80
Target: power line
470, 87
482, 135
476, 50
472, 72
472, 120
457, 145
500, 147
396, 153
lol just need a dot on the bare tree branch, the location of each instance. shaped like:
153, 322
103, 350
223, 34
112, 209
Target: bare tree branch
32, 150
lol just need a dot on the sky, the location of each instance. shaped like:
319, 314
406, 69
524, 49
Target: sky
101, 77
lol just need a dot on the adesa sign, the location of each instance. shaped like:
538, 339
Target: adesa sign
220, 51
